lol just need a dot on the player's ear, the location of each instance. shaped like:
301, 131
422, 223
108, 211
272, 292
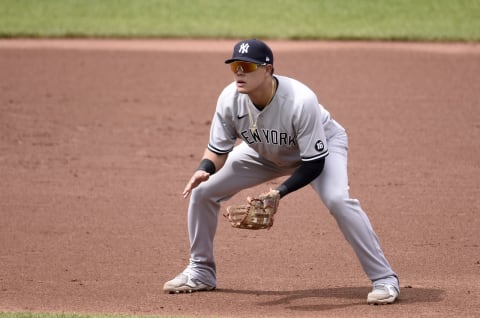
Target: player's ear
269, 68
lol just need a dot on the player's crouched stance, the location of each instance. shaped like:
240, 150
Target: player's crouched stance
284, 132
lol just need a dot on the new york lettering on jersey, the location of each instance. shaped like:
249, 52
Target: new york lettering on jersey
268, 136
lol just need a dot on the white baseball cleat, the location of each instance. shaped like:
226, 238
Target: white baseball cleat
382, 294
183, 283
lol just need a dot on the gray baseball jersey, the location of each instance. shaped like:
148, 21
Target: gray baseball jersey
285, 132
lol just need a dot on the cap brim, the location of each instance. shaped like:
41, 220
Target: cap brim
243, 59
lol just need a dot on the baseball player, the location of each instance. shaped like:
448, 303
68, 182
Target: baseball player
284, 131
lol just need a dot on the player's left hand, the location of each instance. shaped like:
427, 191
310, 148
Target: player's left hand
257, 214
198, 177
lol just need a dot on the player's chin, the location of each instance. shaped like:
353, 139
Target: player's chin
242, 89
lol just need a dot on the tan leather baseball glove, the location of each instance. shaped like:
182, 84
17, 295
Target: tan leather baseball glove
257, 214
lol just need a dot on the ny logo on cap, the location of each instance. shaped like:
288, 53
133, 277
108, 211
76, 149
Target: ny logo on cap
243, 48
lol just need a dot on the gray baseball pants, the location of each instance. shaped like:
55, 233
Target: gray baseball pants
245, 168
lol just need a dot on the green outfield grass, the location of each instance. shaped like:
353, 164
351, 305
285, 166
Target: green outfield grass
415, 20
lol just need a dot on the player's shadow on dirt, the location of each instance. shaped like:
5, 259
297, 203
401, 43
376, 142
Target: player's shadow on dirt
346, 297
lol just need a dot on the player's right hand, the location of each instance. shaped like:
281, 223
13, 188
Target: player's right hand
198, 177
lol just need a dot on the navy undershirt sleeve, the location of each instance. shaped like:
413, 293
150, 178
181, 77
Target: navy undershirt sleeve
304, 174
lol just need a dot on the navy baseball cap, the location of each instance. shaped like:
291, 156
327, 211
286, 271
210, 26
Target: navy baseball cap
253, 50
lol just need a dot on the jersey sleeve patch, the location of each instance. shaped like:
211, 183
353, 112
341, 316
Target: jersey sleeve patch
321, 150
319, 146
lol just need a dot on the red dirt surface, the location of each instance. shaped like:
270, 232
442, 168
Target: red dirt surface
97, 139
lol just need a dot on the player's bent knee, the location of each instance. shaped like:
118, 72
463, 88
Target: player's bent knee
207, 192
200, 192
335, 201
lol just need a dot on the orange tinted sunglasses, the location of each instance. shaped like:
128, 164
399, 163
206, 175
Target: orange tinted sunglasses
245, 67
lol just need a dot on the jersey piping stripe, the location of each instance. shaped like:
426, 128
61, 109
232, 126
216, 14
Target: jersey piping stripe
324, 154
219, 151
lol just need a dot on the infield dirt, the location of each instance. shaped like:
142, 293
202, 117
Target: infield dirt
98, 138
